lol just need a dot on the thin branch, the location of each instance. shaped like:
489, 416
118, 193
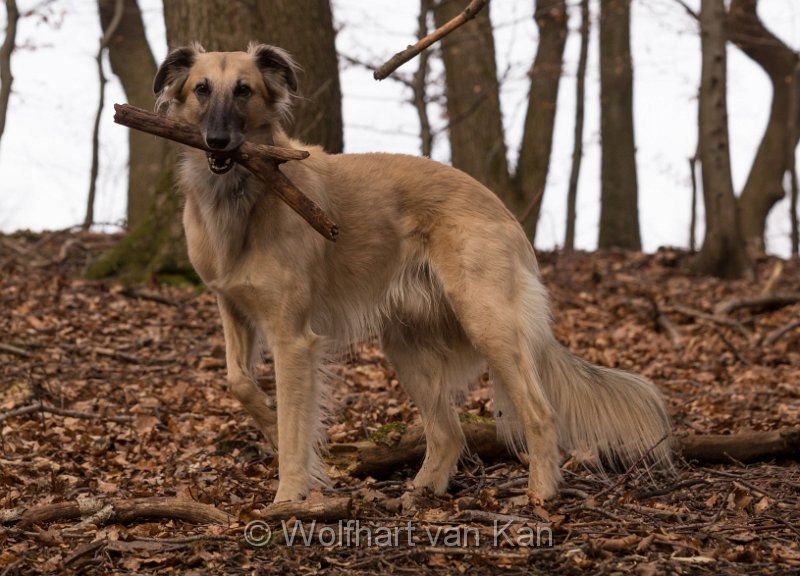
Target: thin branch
780, 333
112, 28
401, 58
577, 150
419, 85
14, 350
41, 407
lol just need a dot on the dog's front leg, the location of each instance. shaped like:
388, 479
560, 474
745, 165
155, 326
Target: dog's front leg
296, 362
240, 350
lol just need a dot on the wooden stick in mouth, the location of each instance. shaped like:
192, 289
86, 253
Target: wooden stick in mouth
260, 159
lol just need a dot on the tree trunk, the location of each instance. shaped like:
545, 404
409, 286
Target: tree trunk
764, 186
537, 138
226, 25
305, 29
473, 103
6, 78
619, 213
723, 253
108, 32
577, 151
133, 63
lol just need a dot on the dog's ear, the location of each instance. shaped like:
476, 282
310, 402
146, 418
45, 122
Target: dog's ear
276, 65
175, 68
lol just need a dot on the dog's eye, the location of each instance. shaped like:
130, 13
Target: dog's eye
242, 90
202, 89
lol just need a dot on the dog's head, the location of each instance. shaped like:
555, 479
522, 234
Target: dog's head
227, 94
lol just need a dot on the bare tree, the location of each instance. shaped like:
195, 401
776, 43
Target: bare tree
723, 253
577, 150
420, 82
764, 186
473, 100
6, 78
537, 137
619, 212
132, 61
89, 218
473, 106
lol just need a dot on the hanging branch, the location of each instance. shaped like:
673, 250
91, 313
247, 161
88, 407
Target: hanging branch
401, 58
5, 60
577, 150
112, 28
261, 159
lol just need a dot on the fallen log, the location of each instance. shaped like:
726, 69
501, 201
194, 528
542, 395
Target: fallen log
122, 511
742, 447
260, 159
376, 459
326, 510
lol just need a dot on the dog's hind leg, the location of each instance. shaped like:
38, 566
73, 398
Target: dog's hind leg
430, 371
240, 350
490, 279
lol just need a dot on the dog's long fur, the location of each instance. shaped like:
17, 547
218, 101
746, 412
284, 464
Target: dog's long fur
427, 258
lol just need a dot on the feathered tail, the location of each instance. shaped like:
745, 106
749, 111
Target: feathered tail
607, 413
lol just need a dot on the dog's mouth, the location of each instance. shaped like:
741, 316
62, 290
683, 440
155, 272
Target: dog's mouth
219, 163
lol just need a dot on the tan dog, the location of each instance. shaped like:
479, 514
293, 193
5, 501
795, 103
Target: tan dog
427, 258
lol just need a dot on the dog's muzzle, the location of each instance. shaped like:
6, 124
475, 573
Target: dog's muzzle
219, 163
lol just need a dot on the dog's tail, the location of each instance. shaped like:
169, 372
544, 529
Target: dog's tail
613, 416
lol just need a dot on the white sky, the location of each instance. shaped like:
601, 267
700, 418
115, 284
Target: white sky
45, 153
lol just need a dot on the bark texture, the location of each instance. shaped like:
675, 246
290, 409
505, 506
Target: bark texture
133, 63
473, 104
305, 29
723, 253
619, 213
537, 139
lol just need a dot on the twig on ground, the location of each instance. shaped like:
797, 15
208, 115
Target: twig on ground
41, 407
14, 350
692, 313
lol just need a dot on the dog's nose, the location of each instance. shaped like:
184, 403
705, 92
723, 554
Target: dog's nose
218, 141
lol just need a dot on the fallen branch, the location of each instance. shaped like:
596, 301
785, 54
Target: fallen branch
743, 447
14, 350
780, 333
368, 458
378, 460
404, 56
771, 301
692, 313
260, 159
102, 511
326, 510
41, 407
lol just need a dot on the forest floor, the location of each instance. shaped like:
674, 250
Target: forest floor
118, 393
